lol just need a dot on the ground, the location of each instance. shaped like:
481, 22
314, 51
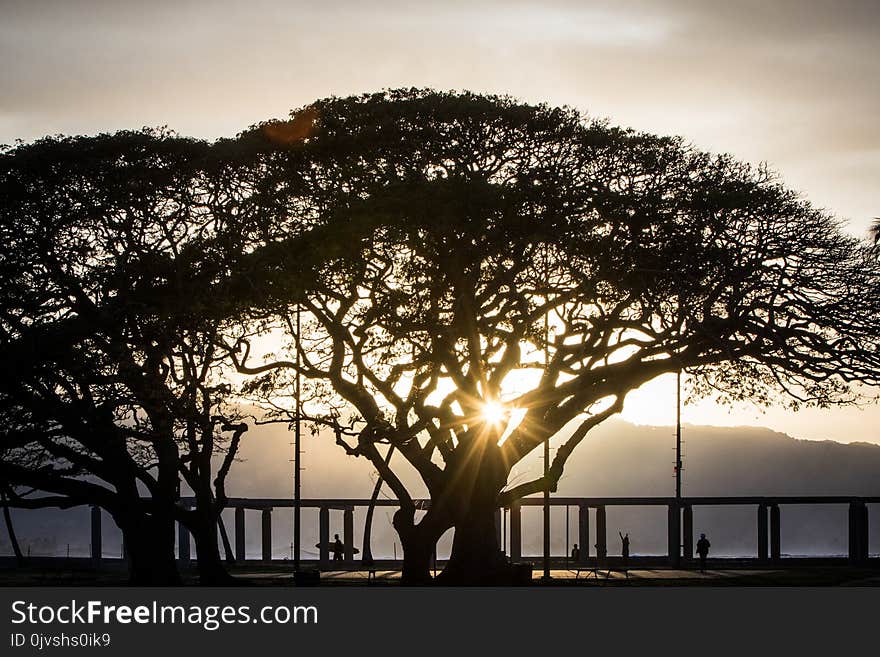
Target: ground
79, 573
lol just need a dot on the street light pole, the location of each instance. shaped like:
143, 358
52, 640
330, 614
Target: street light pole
547, 462
297, 451
678, 437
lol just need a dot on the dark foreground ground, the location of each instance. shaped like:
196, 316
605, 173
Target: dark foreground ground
60, 572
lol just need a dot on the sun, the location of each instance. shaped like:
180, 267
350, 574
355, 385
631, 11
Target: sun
494, 413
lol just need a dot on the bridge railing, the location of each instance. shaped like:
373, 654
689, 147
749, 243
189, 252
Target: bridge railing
679, 524
680, 538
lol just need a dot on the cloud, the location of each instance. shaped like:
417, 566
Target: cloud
790, 82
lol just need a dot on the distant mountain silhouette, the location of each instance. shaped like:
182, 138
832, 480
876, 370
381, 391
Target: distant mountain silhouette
718, 461
617, 459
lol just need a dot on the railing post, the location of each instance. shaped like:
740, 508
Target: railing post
763, 551
858, 532
601, 536
584, 532
183, 546
267, 534
324, 536
97, 548
775, 540
348, 533
688, 539
515, 531
239, 535
673, 530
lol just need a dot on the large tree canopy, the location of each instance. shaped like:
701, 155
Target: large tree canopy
519, 270
475, 276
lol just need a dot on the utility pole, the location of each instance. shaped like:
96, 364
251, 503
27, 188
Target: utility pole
297, 451
547, 462
678, 437
676, 518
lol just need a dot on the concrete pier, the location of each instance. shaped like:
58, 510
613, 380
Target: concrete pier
183, 543
673, 534
267, 534
858, 533
516, 531
324, 535
348, 533
775, 534
97, 544
584, 532
601, 535
239, 535
688, 529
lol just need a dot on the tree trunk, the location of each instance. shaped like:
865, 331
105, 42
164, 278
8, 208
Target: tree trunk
227, 548
419, 542
212, 572
10, 529
476, 558
418, 548
149, 544
366, 549
479, 474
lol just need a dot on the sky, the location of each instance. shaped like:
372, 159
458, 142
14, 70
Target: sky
793, 83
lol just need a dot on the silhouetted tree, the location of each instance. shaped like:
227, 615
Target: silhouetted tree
112, 390
519, 270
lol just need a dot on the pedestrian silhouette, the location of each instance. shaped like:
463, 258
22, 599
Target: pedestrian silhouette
575, 553
703, 546
338, 548
624, 553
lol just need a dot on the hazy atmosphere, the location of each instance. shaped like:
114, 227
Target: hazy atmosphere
618, 460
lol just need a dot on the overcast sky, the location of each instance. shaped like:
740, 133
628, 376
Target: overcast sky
795, 83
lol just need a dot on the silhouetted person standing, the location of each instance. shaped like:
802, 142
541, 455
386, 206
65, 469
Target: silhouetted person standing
624, 547
338, 548
575, 553
703, 546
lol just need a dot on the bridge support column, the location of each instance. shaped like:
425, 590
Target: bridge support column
601, 536
97, 547
239, 535
267, 534
775, 540
184, 549
763, 549
584, 532
673, 530
348, 534
498, 527
688, 538
324, 536
858, 533
515, 531
183, 545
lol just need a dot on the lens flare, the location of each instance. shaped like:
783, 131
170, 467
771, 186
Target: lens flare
494, 413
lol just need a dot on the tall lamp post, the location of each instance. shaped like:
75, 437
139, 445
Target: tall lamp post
678, 437
547, 462
297, 452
